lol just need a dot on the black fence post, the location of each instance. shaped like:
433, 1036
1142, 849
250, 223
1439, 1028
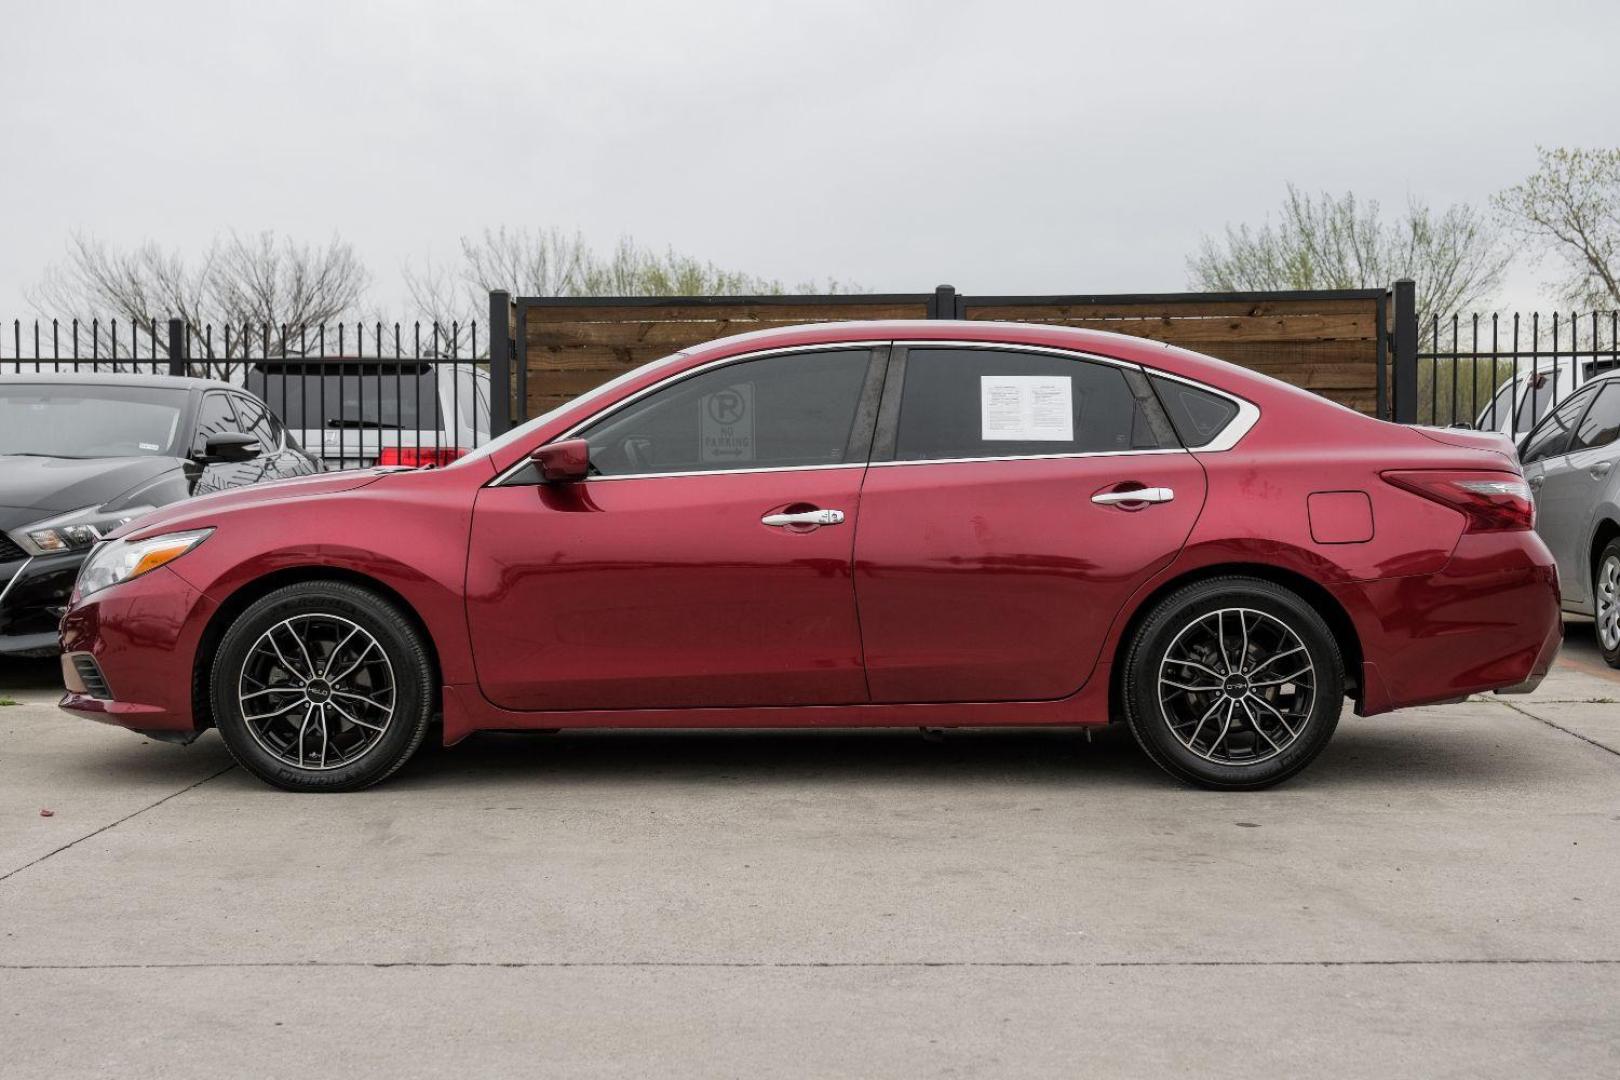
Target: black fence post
1405, 352
177, 347
500, 362
945, 304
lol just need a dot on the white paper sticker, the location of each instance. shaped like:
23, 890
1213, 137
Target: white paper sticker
726, 424
1026, 408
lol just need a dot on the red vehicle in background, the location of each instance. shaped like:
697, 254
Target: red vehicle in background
862, 524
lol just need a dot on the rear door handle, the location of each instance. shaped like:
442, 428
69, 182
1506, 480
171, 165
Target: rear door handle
809, 517
1537, 480
1601, 469
1140, 495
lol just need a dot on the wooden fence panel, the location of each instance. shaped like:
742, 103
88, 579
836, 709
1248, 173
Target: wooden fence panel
1326, 343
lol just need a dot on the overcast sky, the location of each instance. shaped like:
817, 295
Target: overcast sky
1003, 147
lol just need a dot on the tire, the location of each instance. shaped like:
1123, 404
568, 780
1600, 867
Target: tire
299, 731
1606, 601
1174, 685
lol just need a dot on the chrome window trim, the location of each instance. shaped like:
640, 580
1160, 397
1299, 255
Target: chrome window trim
1248, 413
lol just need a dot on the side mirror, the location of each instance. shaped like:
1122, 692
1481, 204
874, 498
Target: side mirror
230, 446
563, 462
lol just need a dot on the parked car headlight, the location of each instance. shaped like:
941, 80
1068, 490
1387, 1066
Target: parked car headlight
116, 561
76, 531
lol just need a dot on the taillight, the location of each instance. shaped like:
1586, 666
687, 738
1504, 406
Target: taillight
417, 456
1491, 501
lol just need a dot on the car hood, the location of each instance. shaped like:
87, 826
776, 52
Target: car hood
1493, 441
59, 484
195, 512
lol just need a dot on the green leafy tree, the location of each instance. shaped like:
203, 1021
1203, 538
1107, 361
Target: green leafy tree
1569, 209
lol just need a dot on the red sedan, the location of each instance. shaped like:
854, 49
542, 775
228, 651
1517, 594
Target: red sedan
918, 524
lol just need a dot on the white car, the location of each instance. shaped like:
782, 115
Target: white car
1522, 402
355, 413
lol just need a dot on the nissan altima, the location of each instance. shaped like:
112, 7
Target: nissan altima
929, 524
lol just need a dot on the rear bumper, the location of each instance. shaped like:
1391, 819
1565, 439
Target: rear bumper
142, 635
1489, 621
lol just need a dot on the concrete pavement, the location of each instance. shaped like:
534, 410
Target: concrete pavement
1438, 895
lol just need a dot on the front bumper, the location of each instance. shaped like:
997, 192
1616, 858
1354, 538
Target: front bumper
33, 597
142, 635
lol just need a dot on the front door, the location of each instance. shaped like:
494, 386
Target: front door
1000, 537
1559, 490
1570, 485
707, 562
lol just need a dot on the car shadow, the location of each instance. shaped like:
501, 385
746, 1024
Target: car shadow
1362, 755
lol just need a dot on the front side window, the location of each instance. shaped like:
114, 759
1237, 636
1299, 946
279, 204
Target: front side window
1601, 425
790, 411
256, 421
215, 418
986, 403
1552, 437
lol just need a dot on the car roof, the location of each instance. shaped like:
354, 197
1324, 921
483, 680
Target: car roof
107, 378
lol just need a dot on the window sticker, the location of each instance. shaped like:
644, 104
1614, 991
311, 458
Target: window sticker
726, 424
1026, 408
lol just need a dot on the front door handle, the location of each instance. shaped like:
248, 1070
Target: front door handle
809, 517
1138, 495
1537, 480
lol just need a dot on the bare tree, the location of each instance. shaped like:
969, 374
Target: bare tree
1327, 242
253, 281
550, 262
1570, 208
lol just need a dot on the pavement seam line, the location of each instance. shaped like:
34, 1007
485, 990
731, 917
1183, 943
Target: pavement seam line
801, 964
1560, 727
114, 824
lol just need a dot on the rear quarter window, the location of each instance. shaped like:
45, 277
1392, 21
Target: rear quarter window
1199, 416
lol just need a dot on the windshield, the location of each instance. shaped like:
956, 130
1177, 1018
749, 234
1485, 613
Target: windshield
518, 434
311, 396
67, 421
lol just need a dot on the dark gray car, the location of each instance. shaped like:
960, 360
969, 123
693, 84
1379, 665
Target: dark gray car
1572, 460
82, 454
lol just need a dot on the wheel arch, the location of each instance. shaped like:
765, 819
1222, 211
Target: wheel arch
1608, 529
1326, 604
242, 598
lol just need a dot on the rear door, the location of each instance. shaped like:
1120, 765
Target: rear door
998, 534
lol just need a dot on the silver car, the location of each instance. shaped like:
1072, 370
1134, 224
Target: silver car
1570, 461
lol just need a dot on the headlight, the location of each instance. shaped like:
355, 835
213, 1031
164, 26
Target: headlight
76, 531
120, 560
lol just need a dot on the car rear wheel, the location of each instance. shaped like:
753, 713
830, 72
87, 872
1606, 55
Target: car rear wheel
322, 686
1233, 683
1606, 597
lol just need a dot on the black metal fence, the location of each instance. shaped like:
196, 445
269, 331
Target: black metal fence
1505, 372
354, 395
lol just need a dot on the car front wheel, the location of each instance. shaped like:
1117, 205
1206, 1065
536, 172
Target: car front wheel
322, 686
1233, 683
1606, 596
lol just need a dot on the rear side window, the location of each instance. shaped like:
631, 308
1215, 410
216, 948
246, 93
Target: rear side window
1198, 415
988, 403
1601, 425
